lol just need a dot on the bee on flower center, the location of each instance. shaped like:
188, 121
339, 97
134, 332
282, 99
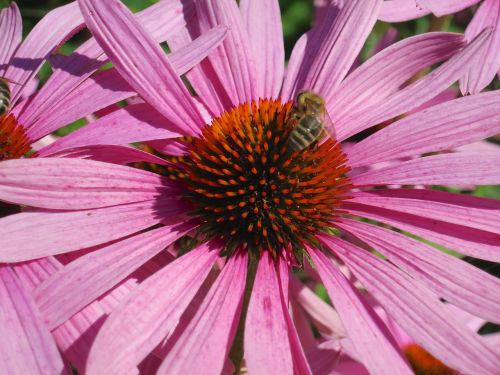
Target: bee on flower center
4, 96
309, 121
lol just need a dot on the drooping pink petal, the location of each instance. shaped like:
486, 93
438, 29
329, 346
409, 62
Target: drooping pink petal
31, 235
384, 74
413, 95
206, 341
266, 41
75, 336
290, 82
134, 123
142, 62
453, 279
487, 61
52, 30
401, 10
467, 210
63, 183
85, 279
443, 7
26, 346
161, 20
233, 60
441, 127
418, 311
266, 341
445, 169
11, 28
333, 46
108, 87
469, 241
325, 318
365, 329
141, 322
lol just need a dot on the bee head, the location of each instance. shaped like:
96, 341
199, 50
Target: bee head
309, 102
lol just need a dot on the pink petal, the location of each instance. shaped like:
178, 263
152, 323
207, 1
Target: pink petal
365, 329
443, 7
75, 184
233, 61
298, 56
162, 20
487, 61
108, 87
413, 95
26, 346
141, 62
445, 169
11, 28
206, 341
54, 29
84, 280
441, 127
401, 10
469, 241
453, 279
31, 235
418, 311
382, 76
266, 341
266, 41
461, 209
139, 324
335, 45
75, 336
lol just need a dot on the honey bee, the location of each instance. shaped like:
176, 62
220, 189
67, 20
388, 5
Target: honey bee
310, 121
4, 96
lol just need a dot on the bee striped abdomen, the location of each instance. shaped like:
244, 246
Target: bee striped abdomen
4, 97
307, 131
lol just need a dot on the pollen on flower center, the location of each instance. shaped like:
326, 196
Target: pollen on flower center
14, 142
251, 190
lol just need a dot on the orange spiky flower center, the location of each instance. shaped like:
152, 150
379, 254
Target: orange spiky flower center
251, 190
423, 363
14, 143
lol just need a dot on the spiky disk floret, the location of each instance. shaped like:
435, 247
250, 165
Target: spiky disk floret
249, 189
14, 143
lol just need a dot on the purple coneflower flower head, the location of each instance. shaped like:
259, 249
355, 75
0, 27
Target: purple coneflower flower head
487, 62
255, 207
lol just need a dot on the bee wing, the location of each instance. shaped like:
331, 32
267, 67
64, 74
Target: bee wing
328, 125
10, 81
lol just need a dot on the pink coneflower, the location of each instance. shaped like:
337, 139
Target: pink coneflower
257, 208
487, 62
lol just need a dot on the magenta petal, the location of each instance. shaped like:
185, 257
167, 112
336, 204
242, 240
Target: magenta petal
31, 235
11, 29
413, 95
267, 346
441, 127
335, 45
418, 311
445, 169
487, 61
266, 40
75, 184
469, 241
365, 329
401, 10
205, 342
443, 7
85, 279
55, 28
383, 75
233, 60
133, 123
456, 281
26, 346
461, 209
142, 62
141, 322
